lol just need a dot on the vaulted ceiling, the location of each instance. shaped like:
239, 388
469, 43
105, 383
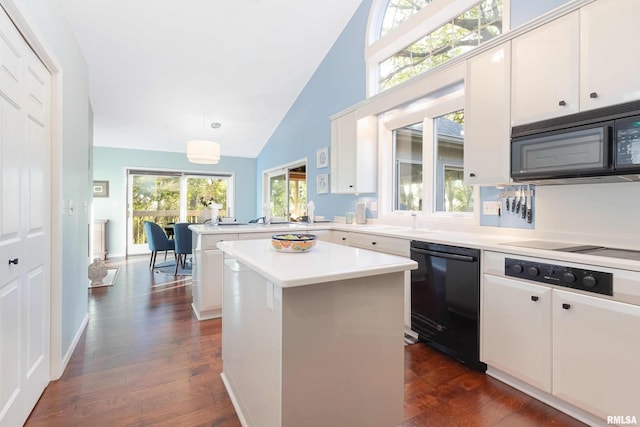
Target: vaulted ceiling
161, 71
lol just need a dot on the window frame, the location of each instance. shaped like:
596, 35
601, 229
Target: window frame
282, 170
427, 112
426, 20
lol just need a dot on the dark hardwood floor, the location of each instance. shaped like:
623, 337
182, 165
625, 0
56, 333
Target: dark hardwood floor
144, 360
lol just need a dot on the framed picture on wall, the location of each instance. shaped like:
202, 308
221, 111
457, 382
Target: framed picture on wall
322, 157
322, 182
100, 188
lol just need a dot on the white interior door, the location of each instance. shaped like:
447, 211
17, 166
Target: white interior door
25, 294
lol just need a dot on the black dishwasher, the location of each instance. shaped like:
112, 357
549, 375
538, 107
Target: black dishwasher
445, 300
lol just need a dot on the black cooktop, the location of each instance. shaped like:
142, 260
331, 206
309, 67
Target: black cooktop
576, 248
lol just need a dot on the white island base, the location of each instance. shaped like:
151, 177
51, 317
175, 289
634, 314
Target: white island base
326, 354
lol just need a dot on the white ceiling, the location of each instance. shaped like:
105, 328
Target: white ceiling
162, 70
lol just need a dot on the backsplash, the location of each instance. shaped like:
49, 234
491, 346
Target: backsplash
509, 216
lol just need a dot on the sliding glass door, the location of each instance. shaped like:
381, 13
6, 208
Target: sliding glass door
285, 190
169, 197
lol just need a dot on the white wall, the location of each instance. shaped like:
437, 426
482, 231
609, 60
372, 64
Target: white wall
597, 213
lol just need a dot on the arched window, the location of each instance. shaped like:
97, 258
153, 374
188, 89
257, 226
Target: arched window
408, 37
398, 11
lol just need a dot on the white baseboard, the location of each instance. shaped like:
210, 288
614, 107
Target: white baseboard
547, 398
73, 345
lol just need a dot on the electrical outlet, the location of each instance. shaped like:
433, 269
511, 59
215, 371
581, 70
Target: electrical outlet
490, 208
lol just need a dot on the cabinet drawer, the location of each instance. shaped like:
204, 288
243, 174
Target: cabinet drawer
388, 245
256, 236
209, 241
341, 237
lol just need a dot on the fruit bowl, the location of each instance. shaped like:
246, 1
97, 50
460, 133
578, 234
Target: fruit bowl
292, 242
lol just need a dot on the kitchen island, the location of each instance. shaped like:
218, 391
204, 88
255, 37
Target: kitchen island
313, 339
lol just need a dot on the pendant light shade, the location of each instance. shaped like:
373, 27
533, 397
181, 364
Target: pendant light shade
203, 151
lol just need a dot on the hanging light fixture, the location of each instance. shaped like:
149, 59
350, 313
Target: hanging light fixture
203, 151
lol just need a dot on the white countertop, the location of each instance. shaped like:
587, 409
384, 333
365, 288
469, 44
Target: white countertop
326, 262
482, 241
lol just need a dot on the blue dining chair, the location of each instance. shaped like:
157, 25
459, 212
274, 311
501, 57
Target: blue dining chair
158, 241
183, 238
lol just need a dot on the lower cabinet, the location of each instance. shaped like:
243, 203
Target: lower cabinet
579, 348
517, 330
596, 354
206, 287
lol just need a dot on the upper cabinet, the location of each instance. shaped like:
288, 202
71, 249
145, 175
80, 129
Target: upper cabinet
487, 111
545, 67
353, 154
609, 62
577, 62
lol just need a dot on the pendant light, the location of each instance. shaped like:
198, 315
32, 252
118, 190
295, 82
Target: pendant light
204, 151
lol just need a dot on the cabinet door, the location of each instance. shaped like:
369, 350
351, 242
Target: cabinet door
545, 67
516, 329
596, 346
343, 153
353, 154
609, 62
487, 125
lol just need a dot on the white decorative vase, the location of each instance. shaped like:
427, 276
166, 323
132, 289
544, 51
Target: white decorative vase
97, 272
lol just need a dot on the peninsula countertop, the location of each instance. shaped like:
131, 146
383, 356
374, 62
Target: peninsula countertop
326, 262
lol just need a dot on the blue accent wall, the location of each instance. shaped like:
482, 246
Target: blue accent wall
338, 83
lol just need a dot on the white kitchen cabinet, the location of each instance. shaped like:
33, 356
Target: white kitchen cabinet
609, 62
545, 70
516, 327
353, 154
206, 287
487, 126
255, 236
576, 62
324, 235
341, 237
389, 245
596, 343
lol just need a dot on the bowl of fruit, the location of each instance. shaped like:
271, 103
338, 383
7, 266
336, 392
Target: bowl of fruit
293, 242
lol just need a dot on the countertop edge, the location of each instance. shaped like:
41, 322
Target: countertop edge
396, 264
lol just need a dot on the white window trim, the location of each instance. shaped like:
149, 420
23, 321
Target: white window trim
425, 112
279, 170
423, 22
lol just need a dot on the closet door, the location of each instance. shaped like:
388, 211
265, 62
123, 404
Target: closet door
25, 295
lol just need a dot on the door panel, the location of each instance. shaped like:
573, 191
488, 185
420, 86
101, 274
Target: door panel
25, 294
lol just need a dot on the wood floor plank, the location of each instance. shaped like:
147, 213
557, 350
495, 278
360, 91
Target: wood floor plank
145, 360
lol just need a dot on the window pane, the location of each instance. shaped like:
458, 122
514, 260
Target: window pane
408, 167
460, 35
399, 11
451, 194
201, 192
297, 193
278, 196
156, 199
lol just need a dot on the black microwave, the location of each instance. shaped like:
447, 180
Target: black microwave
600, 145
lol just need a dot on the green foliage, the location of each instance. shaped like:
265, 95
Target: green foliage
157, 199
399, 11
463, 33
